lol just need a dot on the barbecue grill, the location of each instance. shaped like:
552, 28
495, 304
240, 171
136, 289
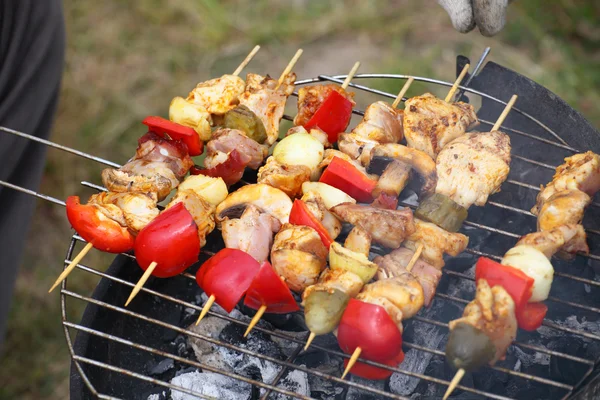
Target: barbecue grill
151, 348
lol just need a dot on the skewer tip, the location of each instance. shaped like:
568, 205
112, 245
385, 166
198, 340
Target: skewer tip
457, 82
505, 112
206, 307
311, 337
71, 266
248, 58
403, 92
138, 286
255, 319
459, 375
352, 361
351, 75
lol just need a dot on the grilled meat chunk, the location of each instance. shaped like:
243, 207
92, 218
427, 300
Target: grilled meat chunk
436, 242
404, 291
339, 279
310, 99
393, 180
314, 203
218, 95
202, 211
252, 233
580, 171
418, 160
288, 178
267, 100
158, 167
394, 264
564, 207
569, 238
492, 312
298, 255
133, 210
356, 147
226, 140
431, 123
473, 166
387, 227
381, 123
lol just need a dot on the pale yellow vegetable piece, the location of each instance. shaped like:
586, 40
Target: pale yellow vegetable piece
213, 190
535, 265
357, 263
299, 149
192, 115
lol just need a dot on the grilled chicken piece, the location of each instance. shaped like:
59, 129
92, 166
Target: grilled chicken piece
393, 179
392, 310
344, 281
580, 171
418, 160
310, 99
493, 312
404, 291
202, 211
267, 101
357, 147
226, 140
387, 227
314, 203
252, 233
381, 123
564, 207
473, 166
288, 178
298, 255
218, 95
359, 241
436, 242
394, 264
431, 123
158, 167
569, 238
133, 210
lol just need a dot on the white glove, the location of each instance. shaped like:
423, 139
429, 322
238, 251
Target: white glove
488, 15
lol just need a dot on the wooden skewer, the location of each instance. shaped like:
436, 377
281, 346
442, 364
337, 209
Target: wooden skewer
459, 375
352, 361
505, 112
141, 282
289, 67
248, 58
71, 266
255, 319
206, 307
457, 82
403, 92
415, 257
351, 75
311, 337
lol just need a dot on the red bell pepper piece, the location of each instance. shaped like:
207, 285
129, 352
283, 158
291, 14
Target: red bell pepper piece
531, 316
343, 175
103, 233
374, 373
227, 275
332, 117
231, 170
268, 289
369, 327
301, 215
176, 131
171, 240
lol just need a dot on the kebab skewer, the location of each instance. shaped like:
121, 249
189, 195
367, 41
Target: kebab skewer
525, 272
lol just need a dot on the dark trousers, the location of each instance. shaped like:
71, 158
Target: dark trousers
32, 44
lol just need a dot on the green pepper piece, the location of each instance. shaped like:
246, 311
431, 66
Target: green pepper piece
469, 348
242, 118
323, 310
442, 211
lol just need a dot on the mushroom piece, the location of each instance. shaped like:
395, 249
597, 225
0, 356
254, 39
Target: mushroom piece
418, 160
265, 198
359, 241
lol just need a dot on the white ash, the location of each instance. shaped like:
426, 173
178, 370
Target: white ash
294, 381
210, 384
154, 397
527, 359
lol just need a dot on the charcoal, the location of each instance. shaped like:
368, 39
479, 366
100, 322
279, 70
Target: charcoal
211, 385
321, 388
360, 394
161, 367
293, 381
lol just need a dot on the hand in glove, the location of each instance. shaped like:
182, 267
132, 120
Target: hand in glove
488, 15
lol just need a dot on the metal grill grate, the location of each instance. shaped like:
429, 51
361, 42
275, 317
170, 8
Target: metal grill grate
478, 225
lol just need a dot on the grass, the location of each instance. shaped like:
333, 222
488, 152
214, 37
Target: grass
126, 60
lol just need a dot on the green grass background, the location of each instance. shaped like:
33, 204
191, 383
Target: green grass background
127, 59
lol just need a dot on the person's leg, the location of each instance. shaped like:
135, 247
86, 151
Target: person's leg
32, 42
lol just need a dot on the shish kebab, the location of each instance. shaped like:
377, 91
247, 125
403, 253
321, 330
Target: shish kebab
474, 165
511, 293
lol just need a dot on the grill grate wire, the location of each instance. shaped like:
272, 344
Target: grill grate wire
288, 364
